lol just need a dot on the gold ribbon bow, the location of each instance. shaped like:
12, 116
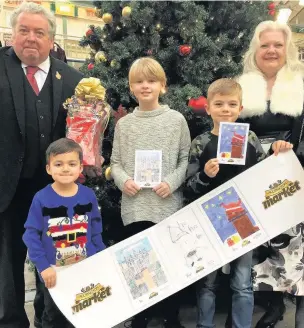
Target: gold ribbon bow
90, 89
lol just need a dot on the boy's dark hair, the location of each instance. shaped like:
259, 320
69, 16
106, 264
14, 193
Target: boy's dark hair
63, 146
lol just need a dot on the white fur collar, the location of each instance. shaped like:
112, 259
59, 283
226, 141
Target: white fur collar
286, 98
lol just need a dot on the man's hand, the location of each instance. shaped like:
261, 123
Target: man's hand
49, 277
281, 146
130, 188
162, 190
212, 168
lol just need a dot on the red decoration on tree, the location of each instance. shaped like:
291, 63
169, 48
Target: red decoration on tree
121, 112
149, 52
90, 66
198, 104
89, 32
271, 6
184, 50
272, 12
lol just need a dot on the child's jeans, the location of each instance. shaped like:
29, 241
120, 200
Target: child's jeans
242, 295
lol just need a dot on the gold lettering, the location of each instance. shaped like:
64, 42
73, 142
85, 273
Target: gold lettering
286, 189
86, 299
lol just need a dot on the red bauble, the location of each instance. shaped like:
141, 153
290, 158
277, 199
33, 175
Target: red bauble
198, 104
271, 6
271, 12
90, 66
149, 52
89, 32
184, 50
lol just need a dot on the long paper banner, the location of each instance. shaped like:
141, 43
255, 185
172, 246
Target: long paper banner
140, 271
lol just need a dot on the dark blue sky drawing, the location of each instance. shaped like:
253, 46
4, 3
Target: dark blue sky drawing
217, 214
227, 134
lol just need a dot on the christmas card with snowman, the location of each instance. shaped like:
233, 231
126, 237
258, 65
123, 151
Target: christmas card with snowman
232, 143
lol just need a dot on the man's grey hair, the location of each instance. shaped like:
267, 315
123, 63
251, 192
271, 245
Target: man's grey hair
34, 8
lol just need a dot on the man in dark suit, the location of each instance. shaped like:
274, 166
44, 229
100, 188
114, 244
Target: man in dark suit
33, 87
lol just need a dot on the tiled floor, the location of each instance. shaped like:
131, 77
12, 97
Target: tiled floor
187, 314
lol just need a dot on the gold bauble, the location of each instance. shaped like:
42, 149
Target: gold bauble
100, 57
108, 175
107, 18
126, 12
115, 64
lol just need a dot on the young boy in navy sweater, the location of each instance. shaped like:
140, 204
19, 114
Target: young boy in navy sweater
64, 223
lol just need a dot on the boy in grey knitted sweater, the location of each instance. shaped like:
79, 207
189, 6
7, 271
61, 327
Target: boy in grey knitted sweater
150, 127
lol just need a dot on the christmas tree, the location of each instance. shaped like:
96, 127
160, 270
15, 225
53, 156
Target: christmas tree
196, 43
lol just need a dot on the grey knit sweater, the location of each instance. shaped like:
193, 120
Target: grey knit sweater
160, 129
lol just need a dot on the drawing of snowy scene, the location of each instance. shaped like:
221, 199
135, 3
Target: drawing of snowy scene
148, 164
231, 219
232, 144
141, 269
186, 243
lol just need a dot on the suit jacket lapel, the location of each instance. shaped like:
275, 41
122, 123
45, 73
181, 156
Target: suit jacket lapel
15, 76
57, 80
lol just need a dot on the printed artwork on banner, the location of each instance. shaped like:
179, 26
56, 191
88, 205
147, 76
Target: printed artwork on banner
69, 234
185, 241
232, 143
148, 167
142, 271
283, 268
235, 225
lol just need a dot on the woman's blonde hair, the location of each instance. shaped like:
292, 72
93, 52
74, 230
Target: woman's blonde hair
292, 57
148, 68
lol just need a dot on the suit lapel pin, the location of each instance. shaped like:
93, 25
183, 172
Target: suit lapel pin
58, 76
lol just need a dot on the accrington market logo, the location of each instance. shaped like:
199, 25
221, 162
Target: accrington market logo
280, 190
90, 295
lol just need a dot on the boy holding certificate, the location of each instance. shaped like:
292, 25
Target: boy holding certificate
149, 161
205, 174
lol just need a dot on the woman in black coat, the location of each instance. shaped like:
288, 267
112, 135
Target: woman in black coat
273, 95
